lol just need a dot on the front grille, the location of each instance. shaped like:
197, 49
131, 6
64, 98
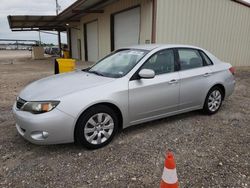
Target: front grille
20, 102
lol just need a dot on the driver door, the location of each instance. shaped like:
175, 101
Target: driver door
156, 97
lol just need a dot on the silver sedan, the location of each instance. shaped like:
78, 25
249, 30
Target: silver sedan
130, 86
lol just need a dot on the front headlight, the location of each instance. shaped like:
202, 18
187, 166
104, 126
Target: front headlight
39, 107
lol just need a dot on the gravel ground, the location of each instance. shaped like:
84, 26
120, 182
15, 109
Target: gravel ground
210, 151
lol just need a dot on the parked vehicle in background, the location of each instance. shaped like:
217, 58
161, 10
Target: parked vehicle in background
47, 50
130, 86
54, 51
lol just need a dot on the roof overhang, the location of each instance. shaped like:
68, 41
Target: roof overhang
70, 16
34, 23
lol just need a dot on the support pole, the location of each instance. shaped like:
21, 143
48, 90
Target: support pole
69, 41
58, 32
40, 42
59, 43
154, 14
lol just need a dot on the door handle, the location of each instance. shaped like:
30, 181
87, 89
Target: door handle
173, 81
207, 74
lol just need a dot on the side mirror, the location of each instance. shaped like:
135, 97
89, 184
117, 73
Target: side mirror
147, 73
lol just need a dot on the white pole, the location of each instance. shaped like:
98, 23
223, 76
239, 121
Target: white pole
40, 42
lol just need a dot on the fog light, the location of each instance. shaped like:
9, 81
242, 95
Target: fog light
39, 135
45, 134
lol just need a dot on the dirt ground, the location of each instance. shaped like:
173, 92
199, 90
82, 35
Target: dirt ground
210, 151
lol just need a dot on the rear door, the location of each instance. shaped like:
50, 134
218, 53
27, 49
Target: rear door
194, 78
150, 98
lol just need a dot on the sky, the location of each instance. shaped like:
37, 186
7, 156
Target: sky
29, 7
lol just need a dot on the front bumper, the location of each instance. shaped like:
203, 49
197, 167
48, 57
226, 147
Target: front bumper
53, 127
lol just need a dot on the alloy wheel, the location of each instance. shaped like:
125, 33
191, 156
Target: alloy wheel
99, 128
214, 100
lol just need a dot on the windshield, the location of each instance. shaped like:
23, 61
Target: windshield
118, 64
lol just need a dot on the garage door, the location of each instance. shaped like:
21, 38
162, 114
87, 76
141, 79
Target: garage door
74, 47
91, 35
127, 28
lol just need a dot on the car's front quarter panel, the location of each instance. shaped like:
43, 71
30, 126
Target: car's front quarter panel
57, 124
115, 93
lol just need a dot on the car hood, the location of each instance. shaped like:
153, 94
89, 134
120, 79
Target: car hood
57, 86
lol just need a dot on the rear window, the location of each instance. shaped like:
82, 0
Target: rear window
206, 59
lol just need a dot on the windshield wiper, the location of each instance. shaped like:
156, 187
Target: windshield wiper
86, 69
95, 72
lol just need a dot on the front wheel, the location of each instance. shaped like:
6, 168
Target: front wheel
213, 101
96, 127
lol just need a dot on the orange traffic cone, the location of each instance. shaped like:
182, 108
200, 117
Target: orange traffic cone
169, 177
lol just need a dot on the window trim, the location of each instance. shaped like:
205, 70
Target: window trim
136, 74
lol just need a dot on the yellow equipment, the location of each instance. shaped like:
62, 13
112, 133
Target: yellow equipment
64, 65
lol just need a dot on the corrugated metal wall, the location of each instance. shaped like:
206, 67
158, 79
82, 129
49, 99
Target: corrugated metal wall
220, 26
105, 18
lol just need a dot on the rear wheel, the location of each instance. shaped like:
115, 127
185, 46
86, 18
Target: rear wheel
213, 100
96, 127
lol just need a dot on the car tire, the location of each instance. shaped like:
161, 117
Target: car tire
213, 101
96, 127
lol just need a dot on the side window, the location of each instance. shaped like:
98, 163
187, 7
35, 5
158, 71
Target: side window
189, 59
162, 62
205, 57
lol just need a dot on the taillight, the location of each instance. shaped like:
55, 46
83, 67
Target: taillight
232, 70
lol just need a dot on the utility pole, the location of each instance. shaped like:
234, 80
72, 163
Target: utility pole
58, 32
57, 7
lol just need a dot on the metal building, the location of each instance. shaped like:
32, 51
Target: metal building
97, 27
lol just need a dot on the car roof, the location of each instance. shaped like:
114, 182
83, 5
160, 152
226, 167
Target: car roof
155, 46
150, 47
